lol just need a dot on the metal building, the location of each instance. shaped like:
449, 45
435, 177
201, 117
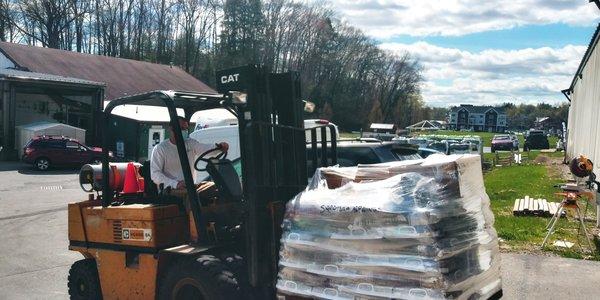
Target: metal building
583, 131
43, 84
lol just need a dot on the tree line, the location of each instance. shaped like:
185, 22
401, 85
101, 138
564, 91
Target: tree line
350, 79
523, 116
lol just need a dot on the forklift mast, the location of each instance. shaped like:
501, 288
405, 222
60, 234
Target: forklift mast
274, 159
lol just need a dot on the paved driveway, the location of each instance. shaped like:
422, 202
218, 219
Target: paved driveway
34, 260
539, 277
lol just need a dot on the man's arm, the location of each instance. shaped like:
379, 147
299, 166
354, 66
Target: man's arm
199, 148
157, 162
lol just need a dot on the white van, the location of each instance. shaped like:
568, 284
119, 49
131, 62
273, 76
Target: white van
230, 134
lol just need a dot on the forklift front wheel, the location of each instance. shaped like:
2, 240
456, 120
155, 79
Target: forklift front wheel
204, 278
83, 280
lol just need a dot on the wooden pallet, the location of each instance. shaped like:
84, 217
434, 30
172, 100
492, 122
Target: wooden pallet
534, 207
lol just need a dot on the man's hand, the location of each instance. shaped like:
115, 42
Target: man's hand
181, 184
223, 146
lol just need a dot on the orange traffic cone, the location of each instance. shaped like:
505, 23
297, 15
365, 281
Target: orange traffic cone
131, 183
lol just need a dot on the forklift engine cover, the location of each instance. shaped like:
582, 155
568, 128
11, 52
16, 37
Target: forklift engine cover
140, 225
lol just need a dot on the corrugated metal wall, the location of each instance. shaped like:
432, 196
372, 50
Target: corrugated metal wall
584, 113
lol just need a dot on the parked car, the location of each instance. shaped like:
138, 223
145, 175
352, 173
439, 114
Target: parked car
48, 151
515, 140
360, 151
440, 146
502, 142
536, 141
424, 152
459, 148
534, 132
421, 142
370, 151
476, 147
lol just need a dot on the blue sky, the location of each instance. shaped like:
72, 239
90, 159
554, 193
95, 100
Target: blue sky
482, 52
529, 36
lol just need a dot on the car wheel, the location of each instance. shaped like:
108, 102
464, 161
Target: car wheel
493, 150
42, 164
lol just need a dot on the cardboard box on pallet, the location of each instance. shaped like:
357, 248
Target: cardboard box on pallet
415, 229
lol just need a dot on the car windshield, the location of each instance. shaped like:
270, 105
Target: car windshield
438, 146
403, 155
417, 141
501, 137
536, 137
459, 147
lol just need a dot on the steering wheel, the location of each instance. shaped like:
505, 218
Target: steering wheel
222, 155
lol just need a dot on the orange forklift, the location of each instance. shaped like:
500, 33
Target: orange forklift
216, 243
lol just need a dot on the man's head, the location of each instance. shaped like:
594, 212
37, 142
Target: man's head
184, 124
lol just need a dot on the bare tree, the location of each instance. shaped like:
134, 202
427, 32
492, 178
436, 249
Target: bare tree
343, 71
45, 20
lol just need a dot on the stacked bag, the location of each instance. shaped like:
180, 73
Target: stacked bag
405, 230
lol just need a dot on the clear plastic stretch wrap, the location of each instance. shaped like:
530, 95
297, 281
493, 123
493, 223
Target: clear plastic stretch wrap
420, 229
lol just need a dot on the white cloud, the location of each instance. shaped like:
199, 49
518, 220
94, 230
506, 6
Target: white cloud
493, 76
386, 18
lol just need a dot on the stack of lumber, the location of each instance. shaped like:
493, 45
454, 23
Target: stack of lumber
534, 207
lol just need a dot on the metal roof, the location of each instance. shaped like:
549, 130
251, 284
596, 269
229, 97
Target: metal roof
32, 76
382, 126
123, 77
144, 113
184, 102
425, 124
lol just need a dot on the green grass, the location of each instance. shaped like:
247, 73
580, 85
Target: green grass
504, 185
527, 156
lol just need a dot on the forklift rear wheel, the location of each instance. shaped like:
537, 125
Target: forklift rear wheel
204, 278
83, 280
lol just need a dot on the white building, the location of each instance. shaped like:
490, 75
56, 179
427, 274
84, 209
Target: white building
477, 118
583, 131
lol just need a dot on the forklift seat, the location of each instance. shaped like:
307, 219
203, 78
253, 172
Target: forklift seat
226, 178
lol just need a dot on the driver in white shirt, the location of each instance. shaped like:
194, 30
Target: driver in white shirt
165, 167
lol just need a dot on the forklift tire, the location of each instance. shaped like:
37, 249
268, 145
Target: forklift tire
204, 278
237, 266
83, 281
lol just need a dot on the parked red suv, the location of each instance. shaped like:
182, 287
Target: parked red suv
48, 151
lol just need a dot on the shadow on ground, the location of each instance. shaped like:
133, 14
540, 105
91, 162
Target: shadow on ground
27, 169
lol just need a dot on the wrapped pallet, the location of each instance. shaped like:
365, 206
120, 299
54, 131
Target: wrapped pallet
418, 229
